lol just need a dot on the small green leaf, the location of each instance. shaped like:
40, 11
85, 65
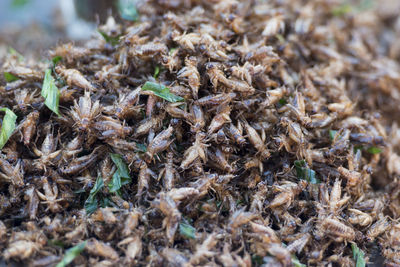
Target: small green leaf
121, 176
19, 3
7, 126
187, 230
305, 173
296, 262
91, 203
50, 92
12, 51
71, 254
342, 10
55, 243
282, 102
156, 72
172, 50
358, 256
141, 147
109, 39
162, 91
56, 59
332, 134
257, 260
374, 150
10, 77
127, 10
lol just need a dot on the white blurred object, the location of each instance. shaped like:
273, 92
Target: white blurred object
76, 28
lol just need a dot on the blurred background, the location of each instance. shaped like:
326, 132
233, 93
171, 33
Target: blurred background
33, 26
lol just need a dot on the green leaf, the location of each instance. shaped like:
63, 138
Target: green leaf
91, 203
56, 59
296, 262
127, 10
374, 150
121, 176
50, 92
109, 39
282, 102
7, 126
358, 255
10, 77
156, 72
257, 260
141, 147
19, 3
305, 173
12, 51
55, 243
187, 230
162, 91
342, 10
332, 134
71, 254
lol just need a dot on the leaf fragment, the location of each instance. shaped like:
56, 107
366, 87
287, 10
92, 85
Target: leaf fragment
358, 255
50, 92
187, 230
121, 176
162, 91
109, 39
71, 254
10, 77
305, 173
91, 202
7, 126
374, 150
127, 10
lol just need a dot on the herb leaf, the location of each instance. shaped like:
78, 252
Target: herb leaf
332, 134
10, 77
109, 39
50, 92
121, 176
296, 262
162, 91
305, 173
91, 203
127, 10
7, 126
358, 255
156, 72
187, 230
374, 150
71, 254
56, 59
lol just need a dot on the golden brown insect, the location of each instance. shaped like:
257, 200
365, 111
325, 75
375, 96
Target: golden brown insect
190, 74
21, 249
337, 229
25, 73
197, 150
74, 77
154, 122
85, 112
218, 159
168, 207
11, 174
197, 118
70, 52
99, 248
28, 126
172, 61
378, 228
50, 196
47, 153
110, 127
159, 143
256, 141
78, 165
236, 133
221, 118
247, 71
144, 178
169, 173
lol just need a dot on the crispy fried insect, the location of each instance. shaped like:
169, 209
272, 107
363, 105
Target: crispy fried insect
11, 174
190, 74
144, 178
216, 99
256, 141
28, 126
47, 153
50, 195
154, 122
85, 112
33, 202
99, 248
159, 143
221, 118
74, 77
70, 52
126, 103
197, 118
169, 173
78, 165
197, 150
337, 229
218, 159
236, 133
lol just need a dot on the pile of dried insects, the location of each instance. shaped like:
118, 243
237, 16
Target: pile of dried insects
208, 133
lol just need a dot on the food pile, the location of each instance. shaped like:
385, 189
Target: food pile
218, 133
